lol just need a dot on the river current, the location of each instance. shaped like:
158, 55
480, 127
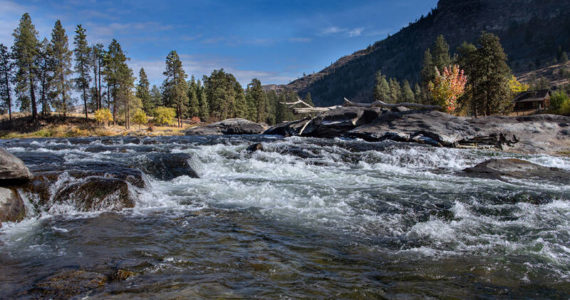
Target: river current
303, 218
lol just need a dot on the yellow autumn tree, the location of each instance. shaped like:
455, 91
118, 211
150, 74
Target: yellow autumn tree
140, 117
517, 87
104, 116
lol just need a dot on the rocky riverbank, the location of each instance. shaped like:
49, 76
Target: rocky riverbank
549, 134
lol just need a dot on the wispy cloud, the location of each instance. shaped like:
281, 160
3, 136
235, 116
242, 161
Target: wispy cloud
300, 40
346, 32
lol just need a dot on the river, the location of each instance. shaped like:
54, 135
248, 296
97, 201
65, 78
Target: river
304, 218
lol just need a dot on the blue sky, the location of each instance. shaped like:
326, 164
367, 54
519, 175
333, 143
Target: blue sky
275, 41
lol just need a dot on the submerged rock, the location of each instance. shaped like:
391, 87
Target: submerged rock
166, 166
12, 208
12, 169
97, 193
70, 283
229, 126
255, 147
518, 169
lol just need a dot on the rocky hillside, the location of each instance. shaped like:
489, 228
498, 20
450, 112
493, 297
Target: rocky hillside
533, 33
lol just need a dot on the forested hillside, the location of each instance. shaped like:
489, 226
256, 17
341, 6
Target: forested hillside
534, 34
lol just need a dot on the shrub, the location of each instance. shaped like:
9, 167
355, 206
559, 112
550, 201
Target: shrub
140, 118
560, 103
104, 116
164, 115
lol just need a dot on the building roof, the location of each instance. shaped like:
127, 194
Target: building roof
533, 96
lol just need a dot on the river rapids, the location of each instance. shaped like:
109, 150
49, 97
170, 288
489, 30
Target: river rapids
302, 218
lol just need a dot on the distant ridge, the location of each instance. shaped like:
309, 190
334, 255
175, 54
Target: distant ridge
533, 33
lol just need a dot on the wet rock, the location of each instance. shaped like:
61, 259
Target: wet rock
518, 169
255, 147
166, 166
12, 169
70, 283
121, 275
97, 193
229, 126
12, 208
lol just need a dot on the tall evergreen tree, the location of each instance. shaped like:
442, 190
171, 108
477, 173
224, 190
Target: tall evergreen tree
114, 67
256, 93
25, 51
175, 87
221, 94
143, 92
407, 93
491, 76
242, 110
82, 63
440, 51
395, 91
204, 109
5, 76
45, 74
193, 102
61, 66
466, 60
97, 63
381, 88
155, 98
418, 94
428, 69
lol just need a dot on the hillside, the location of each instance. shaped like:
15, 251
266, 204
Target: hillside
533, 33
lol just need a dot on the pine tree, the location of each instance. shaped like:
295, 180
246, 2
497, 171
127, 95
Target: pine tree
428, 69
175, 87
255, 90
465, 60
143, 92
97, 63
381, 88
61, 67
125, 98
309, 99
25, 52
490, 77
44, 63
193, 103
242, 110
82, 64
407, 93
204, 109
5, 76
418, 94
221, 94
440, 51
155, 98
114, 67
395, 91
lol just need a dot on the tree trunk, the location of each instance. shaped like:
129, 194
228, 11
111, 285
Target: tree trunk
99, 99
9, 97
33, 96
85, 103
114, 106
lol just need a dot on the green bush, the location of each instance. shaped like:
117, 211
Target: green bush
560, 103
164, 115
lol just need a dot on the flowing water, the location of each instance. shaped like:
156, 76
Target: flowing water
304, 218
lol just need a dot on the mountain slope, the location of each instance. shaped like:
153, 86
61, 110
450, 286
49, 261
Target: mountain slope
533, 33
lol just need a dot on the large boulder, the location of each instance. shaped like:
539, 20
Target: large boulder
12, 208
229, 126
519, 169
166, 166
12, 169
96, 193
69, 284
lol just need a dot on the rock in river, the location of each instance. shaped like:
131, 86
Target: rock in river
229, 126
518, 169
12, 169
12, 207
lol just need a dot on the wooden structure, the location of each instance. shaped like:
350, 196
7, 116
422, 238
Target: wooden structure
532, 100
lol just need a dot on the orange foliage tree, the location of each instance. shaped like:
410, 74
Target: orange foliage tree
448, 86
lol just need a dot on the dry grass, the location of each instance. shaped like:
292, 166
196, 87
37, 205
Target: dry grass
75, 125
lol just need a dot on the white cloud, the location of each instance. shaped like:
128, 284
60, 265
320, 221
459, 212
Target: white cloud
299, 40
355, 32
346, 32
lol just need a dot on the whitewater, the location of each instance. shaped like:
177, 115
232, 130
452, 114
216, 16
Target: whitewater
302, 218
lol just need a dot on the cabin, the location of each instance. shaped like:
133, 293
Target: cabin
532, 101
